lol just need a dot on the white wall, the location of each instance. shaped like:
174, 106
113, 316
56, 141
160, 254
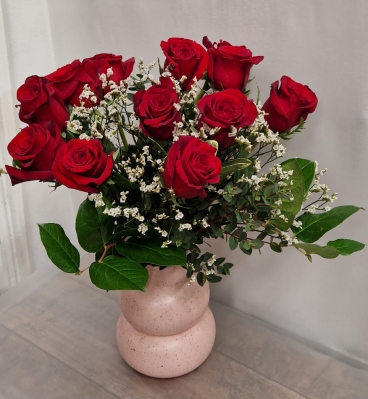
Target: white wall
320, 43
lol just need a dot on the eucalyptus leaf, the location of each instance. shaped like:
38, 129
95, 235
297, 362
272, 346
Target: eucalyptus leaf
149, 251
233, 243
212, 278
275, 247
114, 273
94, 228
245, 247
255, 243
59, 248
314, 226
346, 246
216, 231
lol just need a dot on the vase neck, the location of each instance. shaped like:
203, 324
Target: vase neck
168, 277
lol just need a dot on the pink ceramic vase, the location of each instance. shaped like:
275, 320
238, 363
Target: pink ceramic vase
168, 330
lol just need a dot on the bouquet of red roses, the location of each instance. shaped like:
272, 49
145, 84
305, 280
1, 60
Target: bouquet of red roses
199, 163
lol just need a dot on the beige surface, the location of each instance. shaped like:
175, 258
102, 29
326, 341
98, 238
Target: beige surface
59, 342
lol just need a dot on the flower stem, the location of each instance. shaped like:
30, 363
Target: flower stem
202, 92
122, 135
107, 247
81, 271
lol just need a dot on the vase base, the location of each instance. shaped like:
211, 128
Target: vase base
166, 356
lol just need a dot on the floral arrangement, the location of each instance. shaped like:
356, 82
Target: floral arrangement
199, 163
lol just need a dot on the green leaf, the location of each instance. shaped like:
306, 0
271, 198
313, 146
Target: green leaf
233, 166
256, 244
217, 232
290, 208
201, 278
128, 232
149, 251
59, 248
345, 246
314, 226
94, 228
233, 243
232, 224
325, 252
245, 247
122, 182
247, 172
115, 273
275, 247
308, 168
262, 235
212, 278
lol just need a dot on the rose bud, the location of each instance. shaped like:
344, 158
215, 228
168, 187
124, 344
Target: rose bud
226, 110
82, 165
187, 58
191, 163
229, 66
155, 108
288, 103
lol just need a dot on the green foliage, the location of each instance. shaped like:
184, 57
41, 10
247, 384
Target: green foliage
327, 252
288, 135
233, 166
122, 182
275, 247
233, 243
291, 207
314, 226
59, 248
114, 273
345, 246
149, 251
94, 228
252, 205
308, 169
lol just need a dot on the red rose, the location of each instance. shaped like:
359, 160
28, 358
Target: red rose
39, 101
101, 62
187, 57
91, 70
190, 165
34, 148
155, 108
69, 79
288, 103
228, 65
225, 109
82, 165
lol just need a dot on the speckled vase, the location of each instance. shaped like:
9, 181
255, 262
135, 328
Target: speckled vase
168, 330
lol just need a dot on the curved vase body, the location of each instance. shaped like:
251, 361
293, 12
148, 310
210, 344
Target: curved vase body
168, 330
